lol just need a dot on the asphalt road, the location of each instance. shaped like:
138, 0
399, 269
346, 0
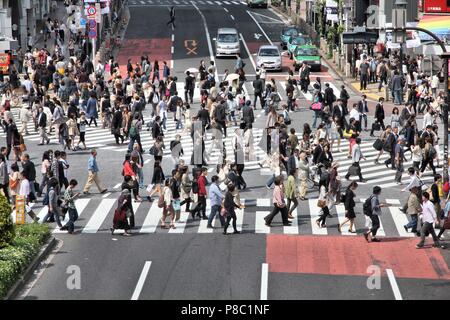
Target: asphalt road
192, 265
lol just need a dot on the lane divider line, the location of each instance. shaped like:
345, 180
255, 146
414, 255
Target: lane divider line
393, 282
264, 281
259, 26
141, 281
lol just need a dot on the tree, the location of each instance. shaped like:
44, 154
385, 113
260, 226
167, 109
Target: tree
7, 231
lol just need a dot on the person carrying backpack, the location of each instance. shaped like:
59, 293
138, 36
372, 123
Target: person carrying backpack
373, 211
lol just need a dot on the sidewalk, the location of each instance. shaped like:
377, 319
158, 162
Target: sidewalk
61, 15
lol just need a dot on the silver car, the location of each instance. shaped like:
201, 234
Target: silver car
269, 56
227, 42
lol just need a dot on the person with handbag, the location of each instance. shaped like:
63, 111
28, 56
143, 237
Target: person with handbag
349, 205
357, 155
229, 205
168, 209
69, 204
322, 203
120, 215
157, 179
278, 203
379, 117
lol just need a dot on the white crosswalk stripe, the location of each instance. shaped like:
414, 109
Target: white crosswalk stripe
181, 2
98, 216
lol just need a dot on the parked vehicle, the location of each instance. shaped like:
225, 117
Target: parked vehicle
308, 54
257, 3
296, 41
287, 33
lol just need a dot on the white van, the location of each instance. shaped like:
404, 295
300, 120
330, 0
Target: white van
227, 42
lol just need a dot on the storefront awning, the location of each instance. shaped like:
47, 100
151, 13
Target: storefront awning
438, 24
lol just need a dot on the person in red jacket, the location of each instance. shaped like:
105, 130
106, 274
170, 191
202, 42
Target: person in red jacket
202, 194
129, 170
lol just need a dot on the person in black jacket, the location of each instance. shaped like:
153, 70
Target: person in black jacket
116, 125
339, 112
248, 117
389, 146
319, 153
329, 96
189, 86
29, 169
258, 88
229, 205
349, 205
379, 116
203, 116
157, 180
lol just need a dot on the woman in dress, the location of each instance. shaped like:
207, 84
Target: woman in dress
168, 205
291, 192
349, 205
395, 118
120, 216
334, 134
157, 180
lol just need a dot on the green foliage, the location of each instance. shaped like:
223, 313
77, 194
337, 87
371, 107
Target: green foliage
15, 258
6, 223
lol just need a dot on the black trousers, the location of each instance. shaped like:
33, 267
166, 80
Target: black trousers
261, 101
275, 211
426, 162
375, 224
358, 171
323, 217
231, 215
201, 207
390, 161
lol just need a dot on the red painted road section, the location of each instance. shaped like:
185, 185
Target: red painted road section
156, 49
352, 255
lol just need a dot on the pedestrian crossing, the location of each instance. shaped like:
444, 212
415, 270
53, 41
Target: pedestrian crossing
96, 216
185, 2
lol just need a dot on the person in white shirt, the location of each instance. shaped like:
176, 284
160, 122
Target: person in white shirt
354, 113
428, 118
434, 85
428, 218
27, 83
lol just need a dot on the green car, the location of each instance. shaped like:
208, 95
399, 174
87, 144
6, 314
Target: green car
287, 33
308, 54
257, 3
296, 41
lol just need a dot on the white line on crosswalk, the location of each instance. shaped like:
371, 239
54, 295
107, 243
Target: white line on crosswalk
99, 216
42, 213
80, 204
314, 211
152, 219
240, 216
292, 229
400, 220
202, 228
141, 281
260, 224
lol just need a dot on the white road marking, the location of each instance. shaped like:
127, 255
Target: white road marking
248, 52
400, 220
292, 229
393, 282
202, 228
226, 10
262, 30
173, 37
264, 281
314, 211
99, 216
80, 204
260, 223
152, 219
141, 281
208, 37
231, 16
106, 195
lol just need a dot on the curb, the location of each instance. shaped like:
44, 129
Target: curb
28, 273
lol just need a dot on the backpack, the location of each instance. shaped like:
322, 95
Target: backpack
367, 206
46, 199
220, 112
155, 98
195, 187
133, 131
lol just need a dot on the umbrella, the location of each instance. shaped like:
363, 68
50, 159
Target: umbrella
232, 77
192, 70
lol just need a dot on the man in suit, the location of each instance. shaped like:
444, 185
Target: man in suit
203, 116
248, 116
389, 146
363, 108
189, 86
319, 152
329, 96
42, 124
116, 125
258, 88
379, 116
304, 77
338, 112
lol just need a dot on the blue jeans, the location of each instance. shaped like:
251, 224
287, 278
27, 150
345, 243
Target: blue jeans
179, 125
316, 116
398, 96
413, 223
215, 210
141, 177
163, 122
132, 141
270, 181
73, 216
55, 215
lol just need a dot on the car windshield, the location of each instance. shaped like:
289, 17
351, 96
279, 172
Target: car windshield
307, 52
290, 32
227, 37
268, 53
300, 41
